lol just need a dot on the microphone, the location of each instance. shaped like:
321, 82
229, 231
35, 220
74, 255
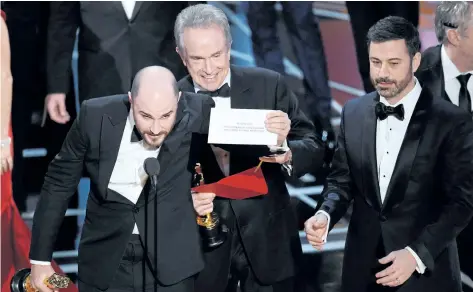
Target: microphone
152, 169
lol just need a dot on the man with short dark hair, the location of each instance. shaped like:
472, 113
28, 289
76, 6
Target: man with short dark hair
405, 159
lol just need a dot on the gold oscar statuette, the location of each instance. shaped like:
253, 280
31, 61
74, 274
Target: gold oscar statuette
21, 281
210, 227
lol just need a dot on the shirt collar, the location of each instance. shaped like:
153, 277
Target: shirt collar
409, 101
197, 88
450, 71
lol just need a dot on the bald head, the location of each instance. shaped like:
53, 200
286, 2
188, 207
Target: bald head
154, 99
154, 78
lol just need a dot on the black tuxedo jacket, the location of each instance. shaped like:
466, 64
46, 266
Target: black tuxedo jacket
429, 199
430, 72
268, 223
112, 48
92, 144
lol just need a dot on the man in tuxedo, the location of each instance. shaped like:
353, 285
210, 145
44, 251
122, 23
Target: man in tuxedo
446, 71
405, 159
262, 247
115, 40
139, 233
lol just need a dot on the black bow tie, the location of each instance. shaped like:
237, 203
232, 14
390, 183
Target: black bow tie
383, 111
223, 91
135, 135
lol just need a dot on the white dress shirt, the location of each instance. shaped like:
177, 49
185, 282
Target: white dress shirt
388, 144
128, 6
128, 176
450, 74
222, 156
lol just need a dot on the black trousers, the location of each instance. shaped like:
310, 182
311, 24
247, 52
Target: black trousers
364, 14
376, 268
306, 39
134, 274
227, 267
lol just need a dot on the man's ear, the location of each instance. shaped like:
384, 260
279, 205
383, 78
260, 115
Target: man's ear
179, 96
181, 55
416, 61
453, 37
130, 99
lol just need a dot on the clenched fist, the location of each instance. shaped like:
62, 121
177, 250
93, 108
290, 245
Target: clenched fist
38, 274
203, 203
316, 229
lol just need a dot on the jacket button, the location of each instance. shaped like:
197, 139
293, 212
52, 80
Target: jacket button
383, 218
136, 209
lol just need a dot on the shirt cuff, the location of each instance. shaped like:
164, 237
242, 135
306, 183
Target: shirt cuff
41, 263
284, 147
324, 238
288, 165
420, 268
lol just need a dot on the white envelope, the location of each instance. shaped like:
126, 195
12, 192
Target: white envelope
239, 126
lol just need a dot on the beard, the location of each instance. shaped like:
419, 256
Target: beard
154, 140
397, 86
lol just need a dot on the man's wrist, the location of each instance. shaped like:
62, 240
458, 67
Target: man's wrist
420, 266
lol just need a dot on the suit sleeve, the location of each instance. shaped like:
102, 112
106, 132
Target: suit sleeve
337, 192
457, 159
60, 183
307, 150
62, 26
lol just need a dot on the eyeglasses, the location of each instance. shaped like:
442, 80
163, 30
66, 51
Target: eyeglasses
450, 25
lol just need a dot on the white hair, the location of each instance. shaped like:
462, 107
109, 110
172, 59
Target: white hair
452, 15
200, 16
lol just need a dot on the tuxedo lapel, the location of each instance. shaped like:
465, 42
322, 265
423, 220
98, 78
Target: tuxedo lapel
432, 76
400, 177
241, 98
111, 133
368, 156
136, 9
118, 7
436, 82
240, 92
186, 84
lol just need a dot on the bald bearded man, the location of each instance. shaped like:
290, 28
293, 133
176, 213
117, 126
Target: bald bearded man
135, 236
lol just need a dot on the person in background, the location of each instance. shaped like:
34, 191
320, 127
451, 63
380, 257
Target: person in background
305, 37
16, 235
363, 15
115, 40
446, 71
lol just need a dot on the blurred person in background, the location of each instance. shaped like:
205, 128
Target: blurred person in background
446, 71
364, 14
27, 25
115, 40
306, 40
15, 234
